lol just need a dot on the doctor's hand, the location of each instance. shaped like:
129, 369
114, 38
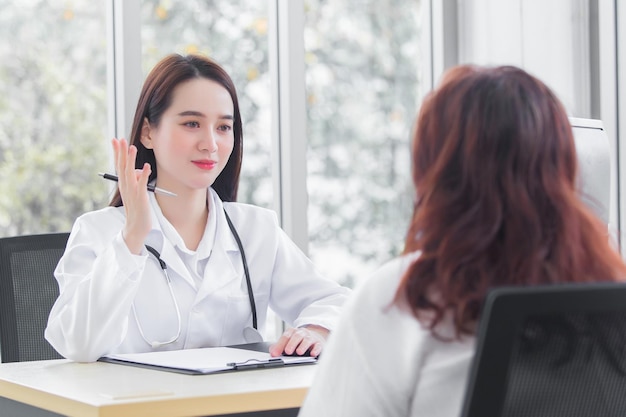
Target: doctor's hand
297, 341
133, 184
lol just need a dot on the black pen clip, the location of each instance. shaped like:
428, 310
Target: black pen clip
257, 363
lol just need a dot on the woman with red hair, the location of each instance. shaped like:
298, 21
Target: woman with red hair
495, 174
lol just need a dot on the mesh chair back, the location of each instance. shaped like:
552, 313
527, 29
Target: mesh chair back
27, 291
550, 351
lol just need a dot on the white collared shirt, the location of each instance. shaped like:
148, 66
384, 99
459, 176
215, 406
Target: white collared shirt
196, 260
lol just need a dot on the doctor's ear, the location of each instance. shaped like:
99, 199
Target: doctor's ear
146, 139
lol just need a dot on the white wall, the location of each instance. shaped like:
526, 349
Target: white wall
549, 39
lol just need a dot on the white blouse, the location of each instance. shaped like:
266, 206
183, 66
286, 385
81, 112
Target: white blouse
380, 361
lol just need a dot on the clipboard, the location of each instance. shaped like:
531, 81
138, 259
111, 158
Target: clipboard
211, 360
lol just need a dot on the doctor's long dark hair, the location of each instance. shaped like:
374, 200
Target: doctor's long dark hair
156, 97
495, 171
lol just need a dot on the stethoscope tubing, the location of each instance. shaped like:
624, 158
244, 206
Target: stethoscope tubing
245, 270
163, 266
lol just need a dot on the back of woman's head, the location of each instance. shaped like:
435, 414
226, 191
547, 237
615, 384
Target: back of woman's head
156, 97
495, 172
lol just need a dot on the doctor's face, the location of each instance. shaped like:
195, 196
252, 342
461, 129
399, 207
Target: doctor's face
194, 138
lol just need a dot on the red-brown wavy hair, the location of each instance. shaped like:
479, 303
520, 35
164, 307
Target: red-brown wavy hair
494, 168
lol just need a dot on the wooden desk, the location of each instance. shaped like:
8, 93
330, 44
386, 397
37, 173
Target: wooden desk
61, 387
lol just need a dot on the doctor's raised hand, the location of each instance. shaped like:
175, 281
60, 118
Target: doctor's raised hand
159, 272
132, 184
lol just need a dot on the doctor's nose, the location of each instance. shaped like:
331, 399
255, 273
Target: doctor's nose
209, 142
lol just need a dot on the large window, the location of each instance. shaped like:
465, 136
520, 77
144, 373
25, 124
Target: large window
362, 78
52, 113
362, 74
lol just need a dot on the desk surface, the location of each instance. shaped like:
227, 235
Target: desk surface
104, 389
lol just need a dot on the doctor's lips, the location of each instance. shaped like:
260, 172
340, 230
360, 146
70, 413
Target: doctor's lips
205, 164
152, 188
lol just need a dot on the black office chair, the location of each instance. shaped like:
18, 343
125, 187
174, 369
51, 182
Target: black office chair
27, 291
550, 351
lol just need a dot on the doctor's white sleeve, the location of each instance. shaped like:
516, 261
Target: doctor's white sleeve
300, 294
98, 278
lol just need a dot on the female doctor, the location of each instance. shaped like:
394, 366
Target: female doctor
160, 272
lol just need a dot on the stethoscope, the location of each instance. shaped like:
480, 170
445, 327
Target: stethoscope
250, 334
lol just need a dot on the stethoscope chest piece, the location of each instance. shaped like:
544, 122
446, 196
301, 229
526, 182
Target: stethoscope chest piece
252, 335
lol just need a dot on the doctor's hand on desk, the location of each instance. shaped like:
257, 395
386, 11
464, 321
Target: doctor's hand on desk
297, 341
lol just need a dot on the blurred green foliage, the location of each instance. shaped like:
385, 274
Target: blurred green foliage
52, 114
363, 83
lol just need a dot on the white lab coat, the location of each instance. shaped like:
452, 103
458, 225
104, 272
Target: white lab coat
99, 280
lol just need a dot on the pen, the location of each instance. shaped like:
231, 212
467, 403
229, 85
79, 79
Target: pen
152, 188
256, 364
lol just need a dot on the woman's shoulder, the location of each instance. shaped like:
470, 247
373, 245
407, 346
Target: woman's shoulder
384, 281
105, 218
94, 227
375, 294
107, 213
243, 213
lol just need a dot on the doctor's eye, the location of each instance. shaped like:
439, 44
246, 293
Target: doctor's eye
225, 128
192, 124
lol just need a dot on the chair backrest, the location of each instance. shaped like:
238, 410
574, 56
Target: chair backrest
550, 351
27, 291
